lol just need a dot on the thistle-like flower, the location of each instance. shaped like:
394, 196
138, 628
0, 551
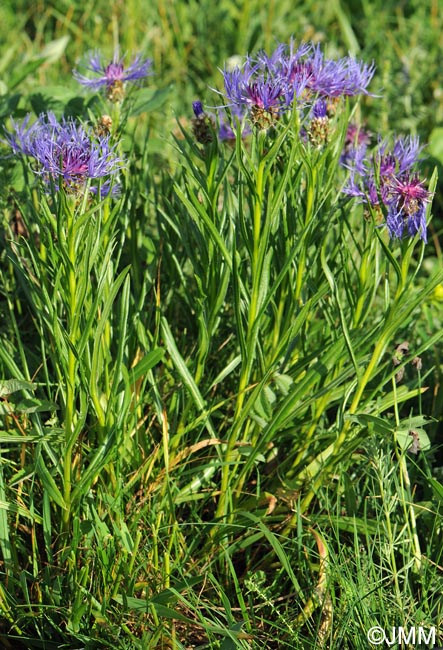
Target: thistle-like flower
67, 154
403, 157
114, 75
292, 78
388, 180
407, 206
263, 93
344, 77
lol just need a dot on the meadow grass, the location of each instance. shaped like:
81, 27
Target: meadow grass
220, 373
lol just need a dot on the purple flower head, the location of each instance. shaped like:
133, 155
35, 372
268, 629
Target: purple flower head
345, 77
261, 95
400, 158
407, 206
20, 139
113, 76
264, 61
406, 152
357, 135
290, 77
293, 65
388, 180
67, 154
264, 93
356, 76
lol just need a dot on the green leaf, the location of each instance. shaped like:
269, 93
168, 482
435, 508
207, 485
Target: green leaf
56, 99
9, 386
148, 100
95, 463
8, 104
22, 71
232, 365
170, 595
437, 488
5, 542
373, 423
7, 437
54, 50
406, 437
31, 405
184, 373
283, 382
435, 146
48, 482
144, 365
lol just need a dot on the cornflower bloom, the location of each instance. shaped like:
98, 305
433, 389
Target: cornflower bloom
290, 77
402, 158
263, 93
322, 77
287, 62
113, 76
388, 180
407, 206
260, 95
344, 77
67, 154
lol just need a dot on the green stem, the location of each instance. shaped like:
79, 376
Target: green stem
250, 344
308, 216
406, 485
72, 366
390, 537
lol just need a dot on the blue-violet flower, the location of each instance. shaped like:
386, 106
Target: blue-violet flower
269, 85
113, 76
388, 177
67, 154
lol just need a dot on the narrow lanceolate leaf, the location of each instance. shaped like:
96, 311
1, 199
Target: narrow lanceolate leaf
97, 460
145, 364
148, 100
5, 541
184, 373
49, 485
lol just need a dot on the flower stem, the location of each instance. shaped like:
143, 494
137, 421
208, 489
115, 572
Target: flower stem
256, 268
71, 369
310, 196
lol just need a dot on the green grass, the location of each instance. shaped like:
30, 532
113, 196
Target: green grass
204, 441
